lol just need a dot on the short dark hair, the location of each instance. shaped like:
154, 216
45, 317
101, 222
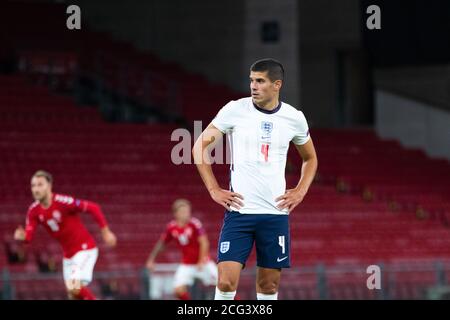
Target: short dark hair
274, 68
44, 174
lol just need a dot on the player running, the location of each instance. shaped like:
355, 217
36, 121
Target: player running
191, 238
257, 203
59, 214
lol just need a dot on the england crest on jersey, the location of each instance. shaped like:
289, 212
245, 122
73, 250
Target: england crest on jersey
224, 246
266, 128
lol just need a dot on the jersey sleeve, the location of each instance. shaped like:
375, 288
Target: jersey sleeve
199, 229
95, 211
166, 236
30, 225
301, 130
224, 120
79, 205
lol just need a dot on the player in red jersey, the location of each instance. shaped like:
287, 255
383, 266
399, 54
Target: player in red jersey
59, 215
193, 242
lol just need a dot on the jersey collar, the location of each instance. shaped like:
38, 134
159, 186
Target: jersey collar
267, 111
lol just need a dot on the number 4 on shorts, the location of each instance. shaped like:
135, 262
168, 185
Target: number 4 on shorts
282, 243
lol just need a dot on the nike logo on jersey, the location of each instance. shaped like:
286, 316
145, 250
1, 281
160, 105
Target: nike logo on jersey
279, 260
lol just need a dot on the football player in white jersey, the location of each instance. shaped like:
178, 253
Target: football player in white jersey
260, 129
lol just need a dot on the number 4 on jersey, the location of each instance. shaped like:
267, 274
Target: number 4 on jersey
265, 151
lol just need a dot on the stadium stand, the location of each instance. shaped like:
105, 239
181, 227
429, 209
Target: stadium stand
127, 168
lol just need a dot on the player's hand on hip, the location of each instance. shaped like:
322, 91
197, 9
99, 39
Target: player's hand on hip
108, 237
227, 199
19, 234
290, 199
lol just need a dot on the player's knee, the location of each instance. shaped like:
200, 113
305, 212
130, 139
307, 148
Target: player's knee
268, 286
226, 285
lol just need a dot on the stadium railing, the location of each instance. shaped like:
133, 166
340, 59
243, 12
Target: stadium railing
402, 280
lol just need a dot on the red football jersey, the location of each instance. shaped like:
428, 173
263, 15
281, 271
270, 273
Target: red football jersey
186, 237
62, 221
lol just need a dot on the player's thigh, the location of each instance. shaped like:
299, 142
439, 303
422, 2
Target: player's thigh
79, 269
208, 274
236, 238
184, 276
272, 240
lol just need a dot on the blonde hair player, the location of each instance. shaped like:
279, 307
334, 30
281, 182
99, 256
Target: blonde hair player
191, 238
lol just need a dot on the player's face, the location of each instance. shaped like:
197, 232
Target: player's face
40, 188
183, 214
263, 90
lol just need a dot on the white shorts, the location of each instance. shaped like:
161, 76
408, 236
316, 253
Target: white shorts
187, 273
79, 269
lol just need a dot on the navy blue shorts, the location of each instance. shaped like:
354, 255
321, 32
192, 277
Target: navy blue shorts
269, 232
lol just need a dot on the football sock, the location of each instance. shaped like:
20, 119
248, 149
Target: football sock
220, 295
184, 296
86, 294
263, 296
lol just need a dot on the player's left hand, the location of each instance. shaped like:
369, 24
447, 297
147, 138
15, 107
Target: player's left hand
108, 237
200, 266
201, 263
290, 199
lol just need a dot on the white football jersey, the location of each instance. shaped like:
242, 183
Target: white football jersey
259, 141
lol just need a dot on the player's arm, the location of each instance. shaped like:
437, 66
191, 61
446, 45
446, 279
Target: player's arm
21, 234
203, 250
295, 196
95, 210
159, 247
205, 142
